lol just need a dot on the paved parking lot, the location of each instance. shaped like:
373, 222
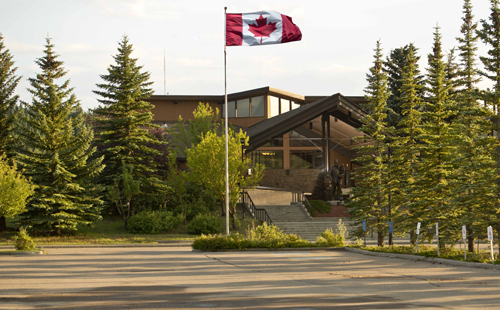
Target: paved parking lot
178, 278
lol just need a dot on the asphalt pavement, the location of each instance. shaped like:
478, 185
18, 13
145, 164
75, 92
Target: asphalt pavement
179, 278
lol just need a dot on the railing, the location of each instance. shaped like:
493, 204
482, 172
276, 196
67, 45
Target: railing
296, 196
258, 213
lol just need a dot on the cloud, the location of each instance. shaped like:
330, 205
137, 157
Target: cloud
142, 9
122, 8
197, 63
338, 69
17, 47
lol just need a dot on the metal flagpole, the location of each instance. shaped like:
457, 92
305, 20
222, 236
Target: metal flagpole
225, 127
164, 74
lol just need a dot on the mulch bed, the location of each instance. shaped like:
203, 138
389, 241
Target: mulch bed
336, 211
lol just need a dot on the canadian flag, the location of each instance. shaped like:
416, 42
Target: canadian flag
259, 28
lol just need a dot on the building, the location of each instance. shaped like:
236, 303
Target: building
294, 136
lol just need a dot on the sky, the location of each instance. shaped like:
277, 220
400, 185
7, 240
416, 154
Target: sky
186, 37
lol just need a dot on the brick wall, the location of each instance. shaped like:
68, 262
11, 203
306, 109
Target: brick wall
300, 180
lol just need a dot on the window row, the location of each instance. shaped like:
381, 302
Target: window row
255, 107
298, 159
248, 107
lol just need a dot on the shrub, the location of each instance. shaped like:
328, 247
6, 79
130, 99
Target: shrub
152, 222
263, 236
205, 224
220, 242
319, 206
329, 238
23, 242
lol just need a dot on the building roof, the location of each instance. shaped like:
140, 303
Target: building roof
336, 105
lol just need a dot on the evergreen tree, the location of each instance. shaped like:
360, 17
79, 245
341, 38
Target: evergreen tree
452, 74
8, 83
394, 66
370, 198
8, 101
406, 145
431, 188
474, 164
123, 119
54, 150
490, 35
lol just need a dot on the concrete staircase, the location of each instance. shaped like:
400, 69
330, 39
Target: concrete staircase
310, 230
293, 219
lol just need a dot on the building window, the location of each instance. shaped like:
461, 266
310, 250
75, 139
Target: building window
306, 159
243, 107
279, 105
258, 106
296, 139
285, 105
274, 106
270, 159
231, 109
247, 107
274, 142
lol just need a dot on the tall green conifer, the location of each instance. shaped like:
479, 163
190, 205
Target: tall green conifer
431, 188
490, 35
8, 100
474, 164
394, 67
54, 150
122, 121
406, 144
370, 198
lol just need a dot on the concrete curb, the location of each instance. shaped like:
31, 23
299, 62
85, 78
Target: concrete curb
21, 253
128, 245
416, 258
276, 250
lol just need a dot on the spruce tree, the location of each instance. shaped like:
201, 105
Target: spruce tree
406, 145
370, 198
123, 119
436, 148
54, 150
474, 164
394, 65
8, 100
490, 35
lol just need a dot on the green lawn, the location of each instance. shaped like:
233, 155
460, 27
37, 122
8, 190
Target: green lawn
111, 230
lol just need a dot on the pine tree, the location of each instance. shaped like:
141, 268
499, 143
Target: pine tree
431, 189
406, 145
394, 65
370, 198
490, 35
8, 101
54, 150
122, 123
474, 164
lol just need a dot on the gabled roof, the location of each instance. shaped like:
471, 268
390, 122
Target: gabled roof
336, 105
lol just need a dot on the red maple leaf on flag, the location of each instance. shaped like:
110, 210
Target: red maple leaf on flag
262, 29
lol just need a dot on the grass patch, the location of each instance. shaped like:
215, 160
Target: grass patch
430, 251
111, 230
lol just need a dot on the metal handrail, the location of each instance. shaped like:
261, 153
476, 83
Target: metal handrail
258, 213
296, 195
307, 204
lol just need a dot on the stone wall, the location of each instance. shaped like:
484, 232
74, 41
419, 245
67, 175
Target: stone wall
302, 180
